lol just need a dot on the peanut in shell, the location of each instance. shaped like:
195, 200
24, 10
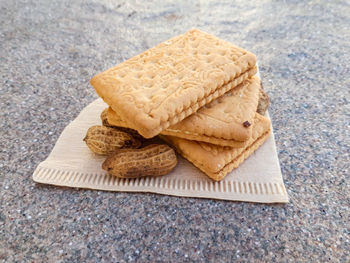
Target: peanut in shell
106, 140
152, 160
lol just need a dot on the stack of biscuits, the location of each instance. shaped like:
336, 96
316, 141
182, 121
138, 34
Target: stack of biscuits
197, 92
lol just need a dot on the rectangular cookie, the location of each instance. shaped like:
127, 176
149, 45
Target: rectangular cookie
165, 84
113, 119
224, 120
220, 122
217, 161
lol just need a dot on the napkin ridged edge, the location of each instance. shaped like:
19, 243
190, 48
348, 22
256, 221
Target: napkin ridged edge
227, 190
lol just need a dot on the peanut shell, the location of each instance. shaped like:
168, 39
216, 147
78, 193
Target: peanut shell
106, 140
152, 160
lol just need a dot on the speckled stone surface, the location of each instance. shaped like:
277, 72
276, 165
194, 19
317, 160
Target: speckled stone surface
50, 49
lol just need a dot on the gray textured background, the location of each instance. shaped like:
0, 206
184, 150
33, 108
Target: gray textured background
48, 53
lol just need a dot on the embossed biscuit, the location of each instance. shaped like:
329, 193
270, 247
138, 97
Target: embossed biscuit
219, 122
223, 118
115, 119
165, 84
217, 161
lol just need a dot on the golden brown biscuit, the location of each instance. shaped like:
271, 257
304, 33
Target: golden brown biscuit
114, 118
165, 84
217, 161
225, 120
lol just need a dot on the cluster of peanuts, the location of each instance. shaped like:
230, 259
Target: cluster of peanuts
129, 155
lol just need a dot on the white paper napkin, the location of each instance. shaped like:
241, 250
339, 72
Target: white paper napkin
72, 164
